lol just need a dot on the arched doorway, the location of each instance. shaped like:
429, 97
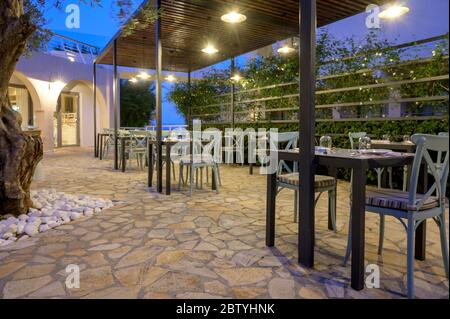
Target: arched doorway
66, 120
73, 120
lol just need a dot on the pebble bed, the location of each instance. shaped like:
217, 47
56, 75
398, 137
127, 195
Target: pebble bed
51, 209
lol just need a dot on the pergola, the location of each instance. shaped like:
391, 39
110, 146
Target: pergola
184, 27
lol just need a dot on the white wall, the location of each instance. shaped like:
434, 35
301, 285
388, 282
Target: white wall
46, 76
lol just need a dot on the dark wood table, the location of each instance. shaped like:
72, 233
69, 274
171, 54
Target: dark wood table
98, 151
339, 159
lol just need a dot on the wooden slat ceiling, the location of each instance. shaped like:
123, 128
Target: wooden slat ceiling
188, 25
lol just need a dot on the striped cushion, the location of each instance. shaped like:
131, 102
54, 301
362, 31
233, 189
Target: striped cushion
320, 181
395, 199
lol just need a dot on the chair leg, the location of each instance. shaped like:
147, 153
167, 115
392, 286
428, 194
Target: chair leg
379, 173
173, 170
381, 235
405, 177
201, 178
218, 174
191, 179
332, 209
444, 243
180, 177
389, 169
207, 175
410, 258
216, 178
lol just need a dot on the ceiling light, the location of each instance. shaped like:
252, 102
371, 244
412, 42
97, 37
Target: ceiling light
71, 59
133, 80
236, 78
210, 49
171, 78
143, 76
393, 12
285, 50
233, 17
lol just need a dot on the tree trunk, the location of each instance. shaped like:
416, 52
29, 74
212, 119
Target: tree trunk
19, 152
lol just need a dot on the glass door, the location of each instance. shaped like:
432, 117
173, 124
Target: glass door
66, 121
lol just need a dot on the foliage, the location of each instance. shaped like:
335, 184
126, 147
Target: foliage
137, 103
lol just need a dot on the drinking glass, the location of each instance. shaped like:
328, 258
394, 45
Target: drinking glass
406, 138
386, 137
365, 143
325, 141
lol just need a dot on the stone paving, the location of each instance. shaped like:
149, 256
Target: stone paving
209, 246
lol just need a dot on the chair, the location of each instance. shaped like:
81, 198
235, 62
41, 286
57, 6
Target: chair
200, 159
416, 208
136, 147
354, 144
321, 184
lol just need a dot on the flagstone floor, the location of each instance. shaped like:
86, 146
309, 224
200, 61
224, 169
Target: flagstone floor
209, 246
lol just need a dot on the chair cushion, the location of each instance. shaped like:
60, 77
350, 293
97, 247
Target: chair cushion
396, 199
320, 181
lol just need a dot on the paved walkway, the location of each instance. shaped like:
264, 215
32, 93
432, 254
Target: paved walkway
211, 245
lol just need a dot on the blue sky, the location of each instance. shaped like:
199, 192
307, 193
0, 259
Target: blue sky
427, 18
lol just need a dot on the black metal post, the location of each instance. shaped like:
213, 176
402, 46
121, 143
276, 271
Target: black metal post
115, 92
232, 70
158, 41
306, 130
189, 115
95, 109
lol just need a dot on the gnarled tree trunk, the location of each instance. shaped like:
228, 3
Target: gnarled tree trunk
19, 152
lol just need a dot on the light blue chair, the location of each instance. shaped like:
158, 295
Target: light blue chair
416, 208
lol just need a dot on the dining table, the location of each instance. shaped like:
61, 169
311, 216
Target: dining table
339, 158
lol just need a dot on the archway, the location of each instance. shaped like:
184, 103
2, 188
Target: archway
25, 99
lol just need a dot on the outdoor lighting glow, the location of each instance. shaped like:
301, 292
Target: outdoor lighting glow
210, 49
285, 50
236, 78
233, 17
143, 76
71, 59
393, 11
133, 80
171, 78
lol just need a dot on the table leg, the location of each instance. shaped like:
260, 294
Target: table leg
358, 227
213, 179
270, 209
96, 145
150, 165
122, 153
250, 168
168, 178
421, 231
332, 171
101, 148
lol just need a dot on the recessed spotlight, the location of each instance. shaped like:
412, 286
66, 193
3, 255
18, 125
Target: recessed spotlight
171, 78
233, 17
143, 76
236, 78
210, 49
394, 11
285, 50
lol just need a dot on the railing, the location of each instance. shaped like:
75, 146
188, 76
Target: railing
385, 98
73, 50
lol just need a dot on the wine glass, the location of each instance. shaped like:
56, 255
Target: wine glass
386, 137
406, 138
325, 141
365, 143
